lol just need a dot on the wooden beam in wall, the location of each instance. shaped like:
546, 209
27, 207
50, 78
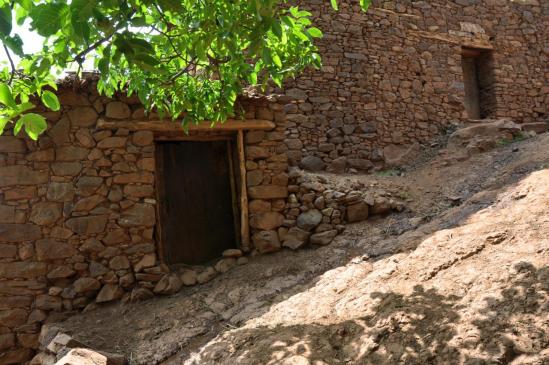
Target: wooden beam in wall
244, 215
470, 52
169, 126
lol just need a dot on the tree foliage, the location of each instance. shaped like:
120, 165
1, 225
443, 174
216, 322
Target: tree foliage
186, 58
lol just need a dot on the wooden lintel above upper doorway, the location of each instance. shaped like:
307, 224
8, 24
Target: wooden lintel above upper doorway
169, 126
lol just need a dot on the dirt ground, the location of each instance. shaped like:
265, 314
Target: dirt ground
460, 277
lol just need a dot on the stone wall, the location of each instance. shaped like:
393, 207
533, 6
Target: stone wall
78, 212
392, 77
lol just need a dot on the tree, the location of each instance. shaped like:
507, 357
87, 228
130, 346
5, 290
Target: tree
186, 58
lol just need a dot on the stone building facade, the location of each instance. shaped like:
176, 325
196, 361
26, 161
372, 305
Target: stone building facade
394, 76
78, 208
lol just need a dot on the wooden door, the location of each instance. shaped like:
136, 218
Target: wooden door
196, 201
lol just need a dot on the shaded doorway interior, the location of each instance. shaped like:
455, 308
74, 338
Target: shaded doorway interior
479, 82
198, 212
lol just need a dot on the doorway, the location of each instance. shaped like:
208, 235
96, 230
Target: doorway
479, 82
197, 200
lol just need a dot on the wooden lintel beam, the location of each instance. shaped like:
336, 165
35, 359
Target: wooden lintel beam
169, 126
470, 52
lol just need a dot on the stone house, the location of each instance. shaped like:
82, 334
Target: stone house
96, 210
398, 75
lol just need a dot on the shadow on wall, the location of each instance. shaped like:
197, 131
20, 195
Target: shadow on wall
417, 329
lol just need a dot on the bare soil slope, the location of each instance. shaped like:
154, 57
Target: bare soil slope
462, 277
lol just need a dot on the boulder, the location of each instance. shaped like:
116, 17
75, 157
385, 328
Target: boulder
21, 175
118, 110
7, 251
59, 133
143, 138
87, 225
45, 213
112, 142
108, 293
146, 261
84, 116
268, 192
22, 269
267, 221
140, 215
12, 144
140, 294
256, 153
61, 272
116, 236
357, 212
324, 238
206, 275
382, 206
71, 153
60, 192
232, 252
85, 285
295, 238
13, 317
134, 177
225, 264
312, 163
266, 241
66, 168
87, 185
119, 263
337, 166
189, 278
19, 232
538, 127
169, 284
48, 249
360, 164
83, 356
87, 204
309, 219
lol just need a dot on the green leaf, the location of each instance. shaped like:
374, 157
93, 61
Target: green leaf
5, 20
46, 18
34, 124
334, 4
50, 100
173, 5
6, 97
82, 9
23, 107
277, 29
15, 43
3, 122
365, 4
276, 59
314, 32
17, 127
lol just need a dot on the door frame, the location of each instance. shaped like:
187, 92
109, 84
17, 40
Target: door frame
234, 147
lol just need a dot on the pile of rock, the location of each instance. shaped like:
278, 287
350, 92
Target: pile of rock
61, 349
482, 136
317, 212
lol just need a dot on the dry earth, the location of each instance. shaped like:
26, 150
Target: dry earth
461, 277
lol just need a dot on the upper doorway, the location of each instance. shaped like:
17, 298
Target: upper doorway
479, 83
197, 200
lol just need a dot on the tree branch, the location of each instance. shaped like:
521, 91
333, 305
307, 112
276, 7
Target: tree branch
13, 70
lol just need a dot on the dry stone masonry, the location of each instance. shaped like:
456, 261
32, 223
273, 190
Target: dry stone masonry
78, 212
392, 78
